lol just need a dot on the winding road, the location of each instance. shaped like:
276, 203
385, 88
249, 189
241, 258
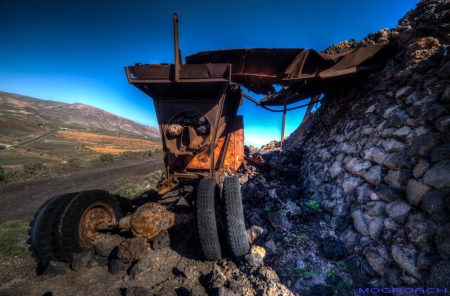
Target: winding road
22, 199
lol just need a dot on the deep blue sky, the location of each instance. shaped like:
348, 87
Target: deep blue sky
75, 50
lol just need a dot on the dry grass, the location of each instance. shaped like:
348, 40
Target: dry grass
13, 238
91, 139
107, 144
72, 143
110, 149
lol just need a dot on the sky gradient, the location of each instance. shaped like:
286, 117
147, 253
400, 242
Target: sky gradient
76, 50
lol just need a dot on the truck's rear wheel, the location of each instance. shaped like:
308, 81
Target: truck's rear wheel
234, 217
205, 219
81, 219
43, 228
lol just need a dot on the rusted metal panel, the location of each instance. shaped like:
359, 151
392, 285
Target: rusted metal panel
233, 156
235, 152
268, 61
305, 73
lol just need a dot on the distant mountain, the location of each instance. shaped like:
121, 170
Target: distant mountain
32, 112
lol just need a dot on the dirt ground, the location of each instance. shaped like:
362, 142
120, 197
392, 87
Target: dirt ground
21, 200
177, 269
18, 276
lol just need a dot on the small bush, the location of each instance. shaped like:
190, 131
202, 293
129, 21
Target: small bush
282, 211
13, 238
75, 161
12, 174
331, 273
34, 167
153, 178
154, 152
126, 153
313, 204
307, 273
108, 157
129, 191
302, 238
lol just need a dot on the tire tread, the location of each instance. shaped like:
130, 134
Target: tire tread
234, 217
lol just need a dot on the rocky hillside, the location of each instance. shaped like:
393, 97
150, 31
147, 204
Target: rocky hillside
376, 158
31, 111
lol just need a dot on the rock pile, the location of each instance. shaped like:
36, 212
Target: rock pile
376, 157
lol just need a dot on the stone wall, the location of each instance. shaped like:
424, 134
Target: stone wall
376, 156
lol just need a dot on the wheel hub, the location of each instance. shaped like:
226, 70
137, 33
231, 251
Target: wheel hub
94, 218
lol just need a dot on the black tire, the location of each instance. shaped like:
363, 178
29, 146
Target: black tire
205, 219
234, 217
43, 228
67, 235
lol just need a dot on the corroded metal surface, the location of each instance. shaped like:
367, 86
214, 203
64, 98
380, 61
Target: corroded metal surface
194, 146
234, 154
97, 216
260, 162
305, 73
149, 220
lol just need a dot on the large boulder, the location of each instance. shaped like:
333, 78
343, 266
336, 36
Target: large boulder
132, 249
399, 210
105, 243
421, 231
387, 193
279, 220
398, 179
350, 238
434, 203
415, 190
360, 222
438, 175
406, 259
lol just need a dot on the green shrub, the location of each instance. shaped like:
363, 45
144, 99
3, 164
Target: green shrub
153, 178
126, 153
154, 152
13, 238
308, 272
108, 157
302, 238
313, 204
331, 273
12, 174
282, 211
33, 167
75, 161
129, 191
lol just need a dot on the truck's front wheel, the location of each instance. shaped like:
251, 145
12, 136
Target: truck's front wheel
43, 228
84, 215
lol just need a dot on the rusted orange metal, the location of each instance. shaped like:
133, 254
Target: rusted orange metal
304, 73
151, 220
96, 217
234, 155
